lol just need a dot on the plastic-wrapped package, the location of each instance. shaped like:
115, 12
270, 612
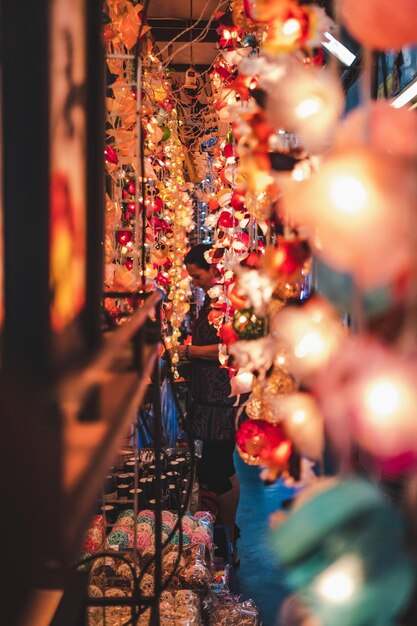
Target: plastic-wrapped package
221, 580
231, 612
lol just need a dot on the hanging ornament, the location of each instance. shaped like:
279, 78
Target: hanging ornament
302, 422
159, 252
312, 334
265, 393
288, 257
166, 133
247, 325
381, 24
256, 439
111, 155
308, 101
380, 125
350, 199
131, 187
124, 236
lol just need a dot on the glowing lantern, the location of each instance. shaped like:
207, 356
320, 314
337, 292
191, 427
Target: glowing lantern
381, 24
309, 101
348, 208
302, 422
312, 335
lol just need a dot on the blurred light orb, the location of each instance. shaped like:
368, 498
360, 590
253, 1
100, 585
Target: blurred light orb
357, 211
291, 27
348, 194
339, 582
308, 107
308, 101
381, 24
311, 334
383, 398
302, 422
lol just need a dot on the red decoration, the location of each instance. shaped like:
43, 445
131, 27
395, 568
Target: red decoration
227, 334
111, 155
226, 220
257, 439
129, 264
238, 201
124, 236
163, 279
131, 187
291, 256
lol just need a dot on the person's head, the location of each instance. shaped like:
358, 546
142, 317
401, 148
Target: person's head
201, 272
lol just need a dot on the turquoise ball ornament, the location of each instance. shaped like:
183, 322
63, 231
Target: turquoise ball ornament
342, 550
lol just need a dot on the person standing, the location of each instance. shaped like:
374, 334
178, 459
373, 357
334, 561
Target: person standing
212, 413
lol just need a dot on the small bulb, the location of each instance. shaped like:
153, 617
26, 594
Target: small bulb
291, 27
338, 583
311, 344
348, 194
383, 398
298, 417
308, 107
242, 319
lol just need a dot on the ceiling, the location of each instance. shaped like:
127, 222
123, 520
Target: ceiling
170, 19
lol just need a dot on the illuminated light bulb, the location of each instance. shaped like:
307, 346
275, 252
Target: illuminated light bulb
348, 194
383, 398
312, 343
298, 417
308, 107
339, 582
291, 27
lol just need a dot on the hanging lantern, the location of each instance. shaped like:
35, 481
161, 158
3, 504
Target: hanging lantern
308, 101
381, 24
347, 206
312, 335
302, 422
254, 439
380, 125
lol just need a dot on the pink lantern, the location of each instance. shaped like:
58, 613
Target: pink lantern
358, 210
384, 127
381, 24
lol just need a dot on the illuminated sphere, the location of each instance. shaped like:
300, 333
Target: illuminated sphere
358, 211
308, 101
254, 438
381, 24
386, 128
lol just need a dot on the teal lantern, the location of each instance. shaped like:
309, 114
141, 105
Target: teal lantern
343, 554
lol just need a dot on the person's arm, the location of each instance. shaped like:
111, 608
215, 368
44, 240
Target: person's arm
210, 352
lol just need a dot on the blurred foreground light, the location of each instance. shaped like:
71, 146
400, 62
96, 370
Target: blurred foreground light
339, 582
